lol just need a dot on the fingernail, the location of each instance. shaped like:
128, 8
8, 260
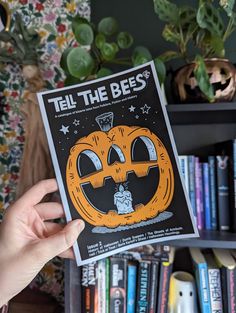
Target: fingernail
80, 225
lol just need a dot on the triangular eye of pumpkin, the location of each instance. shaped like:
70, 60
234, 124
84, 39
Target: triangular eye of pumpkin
88, 163
143, 150
115, 154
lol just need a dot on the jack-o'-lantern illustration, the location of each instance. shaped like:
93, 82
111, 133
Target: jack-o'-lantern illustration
221, 75
105, 170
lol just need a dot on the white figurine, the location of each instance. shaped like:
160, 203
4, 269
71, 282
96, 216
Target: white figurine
182, 293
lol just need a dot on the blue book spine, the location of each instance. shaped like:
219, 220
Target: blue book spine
206, 193
131, 288
212, 179
203, 287
192, 194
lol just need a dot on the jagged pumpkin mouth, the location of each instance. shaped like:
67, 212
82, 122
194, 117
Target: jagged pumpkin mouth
102, 198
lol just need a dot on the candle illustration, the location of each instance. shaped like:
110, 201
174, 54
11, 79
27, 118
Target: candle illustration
123, 200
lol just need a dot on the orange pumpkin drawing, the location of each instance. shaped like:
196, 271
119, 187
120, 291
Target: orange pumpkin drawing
97, 147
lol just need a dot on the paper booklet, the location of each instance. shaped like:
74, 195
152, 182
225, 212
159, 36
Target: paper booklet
116, 163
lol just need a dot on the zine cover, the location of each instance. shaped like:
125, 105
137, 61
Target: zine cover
116, 163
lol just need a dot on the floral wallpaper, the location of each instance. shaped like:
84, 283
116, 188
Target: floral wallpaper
51, 18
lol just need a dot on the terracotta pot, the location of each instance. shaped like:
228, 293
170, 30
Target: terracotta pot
222, 76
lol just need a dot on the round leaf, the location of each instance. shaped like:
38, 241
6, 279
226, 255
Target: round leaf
84, 34
124, 40
77, 20
80, 63
104, 72
109, 51
100, 39
141, 55
63, 61
71, 80
161, 70
108, 26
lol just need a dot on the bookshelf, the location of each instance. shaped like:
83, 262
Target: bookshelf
196, 127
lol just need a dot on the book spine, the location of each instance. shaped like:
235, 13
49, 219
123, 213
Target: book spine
223, 192
228, 289
203, 287
118, 277
215, 290
101, 283
212, 179
107, 285
183, 159
234, 189
85, 290
199, 200
143, 286
131, 287
153, 286
92, 281
192, 195
206, 197
163, 290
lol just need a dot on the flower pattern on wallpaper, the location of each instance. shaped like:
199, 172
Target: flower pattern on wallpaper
52, 20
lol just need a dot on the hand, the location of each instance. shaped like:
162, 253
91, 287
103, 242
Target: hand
28, 239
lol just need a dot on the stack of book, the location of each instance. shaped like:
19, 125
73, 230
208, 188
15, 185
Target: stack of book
211, 186
134, 281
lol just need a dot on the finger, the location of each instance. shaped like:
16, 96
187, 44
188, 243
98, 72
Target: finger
48, 248
35, 194
68, 254
52, 228
49, 210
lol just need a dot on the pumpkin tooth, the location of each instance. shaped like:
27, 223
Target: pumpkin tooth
97, 183
142, 172
119, 179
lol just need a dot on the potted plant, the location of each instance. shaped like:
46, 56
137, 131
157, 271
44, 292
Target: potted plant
99, 49
199, 34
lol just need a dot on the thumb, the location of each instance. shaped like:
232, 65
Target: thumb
60, 242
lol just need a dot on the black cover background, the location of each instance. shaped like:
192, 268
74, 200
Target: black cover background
155, 122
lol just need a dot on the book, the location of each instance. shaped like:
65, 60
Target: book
212, 180
116, 163
183, 160
153, 286
143, 290
229, 148
214, 283
192, 193
118, 290
223, 192
206, 195
164, 282
131, 286
199, 194
227, 266
101, 286
201, 275
85, 290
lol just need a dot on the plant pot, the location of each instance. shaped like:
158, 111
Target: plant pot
222, 75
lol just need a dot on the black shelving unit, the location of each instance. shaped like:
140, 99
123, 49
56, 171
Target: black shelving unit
196, 128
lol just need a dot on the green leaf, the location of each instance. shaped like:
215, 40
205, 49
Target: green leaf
171, 34
227, 6
71, 80
141, 55
84, 34
167, 11
124, 40
77, 20
169, 55
100, 39
103, 72
187, 16
161, 70
208, 17
108, 26
202, 78
63, 61
109, 51
80, 63
5, 36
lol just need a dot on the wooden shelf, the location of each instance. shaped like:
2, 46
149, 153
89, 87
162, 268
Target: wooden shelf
208, 239
202, 113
